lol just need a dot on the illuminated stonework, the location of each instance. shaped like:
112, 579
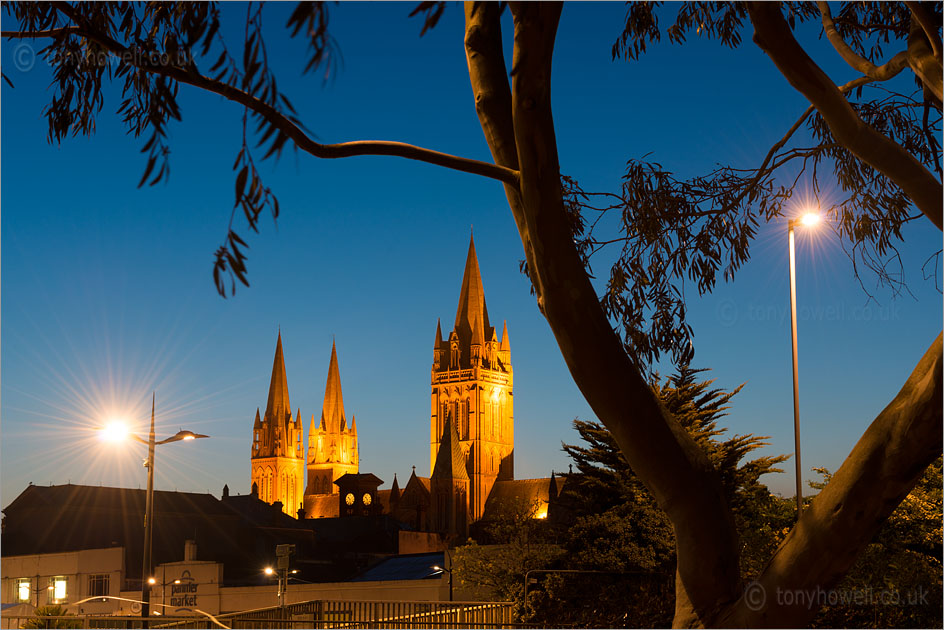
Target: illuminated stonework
472, 383
278, 458
332, 444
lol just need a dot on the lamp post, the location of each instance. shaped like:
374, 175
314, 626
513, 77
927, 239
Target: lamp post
440, 569
164, 584
809, 219
117, 432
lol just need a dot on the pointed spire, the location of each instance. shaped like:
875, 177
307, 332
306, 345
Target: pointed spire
552, 488
258, 423
450, 461
394, 490
478, 333
471, 296
505, 342
278, 405
298, 418
438, 341
354, 426
332, 412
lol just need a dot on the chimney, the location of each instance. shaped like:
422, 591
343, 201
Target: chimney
190, 550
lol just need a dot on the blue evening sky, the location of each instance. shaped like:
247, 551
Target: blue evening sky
107, 291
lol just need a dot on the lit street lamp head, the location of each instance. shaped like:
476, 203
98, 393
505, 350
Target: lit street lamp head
810, 219
183, 435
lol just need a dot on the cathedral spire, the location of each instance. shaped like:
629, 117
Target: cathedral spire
394, 490
278, 405
332, 412
505, 343
450, 462
439, 339
471, 297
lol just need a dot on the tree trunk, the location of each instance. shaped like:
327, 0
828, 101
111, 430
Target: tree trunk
880, 471
660, 451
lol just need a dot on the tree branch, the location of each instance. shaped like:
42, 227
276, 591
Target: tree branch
927, 23
283, 124
851, 85
659, 450
880, 471
924, 64
773, 36
880, 73
53, 32
489, 78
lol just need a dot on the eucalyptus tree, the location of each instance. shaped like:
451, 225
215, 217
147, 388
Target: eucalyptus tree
881, 143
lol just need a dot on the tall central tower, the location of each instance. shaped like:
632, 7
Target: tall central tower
472, 388
278, 461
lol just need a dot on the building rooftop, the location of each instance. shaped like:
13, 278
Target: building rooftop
410, 567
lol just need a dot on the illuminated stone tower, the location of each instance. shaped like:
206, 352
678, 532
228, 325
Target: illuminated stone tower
472, 387
278, 464
332, 445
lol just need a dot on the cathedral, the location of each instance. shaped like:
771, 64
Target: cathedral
471, 436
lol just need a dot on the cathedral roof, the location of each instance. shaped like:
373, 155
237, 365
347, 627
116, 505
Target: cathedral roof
471, 297
278, 405
450, 461
522, 492
332, 412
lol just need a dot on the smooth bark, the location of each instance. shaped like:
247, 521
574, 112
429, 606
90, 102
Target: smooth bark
774, 36
660, 451
881, 470
518, 125
923, 61
880, 73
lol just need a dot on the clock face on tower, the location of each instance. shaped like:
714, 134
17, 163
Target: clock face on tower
349, 499
366, 499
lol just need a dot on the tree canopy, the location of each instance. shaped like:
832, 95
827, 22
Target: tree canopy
875, 136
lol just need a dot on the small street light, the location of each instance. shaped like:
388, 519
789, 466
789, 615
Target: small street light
152, 581
116, 432
283, 555
809, 219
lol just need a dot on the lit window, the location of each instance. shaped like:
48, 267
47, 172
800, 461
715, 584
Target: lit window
23, 590
98, 585
58, 590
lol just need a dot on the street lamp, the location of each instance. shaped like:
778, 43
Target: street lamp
117, 432
151, 582
440, 569
809, 219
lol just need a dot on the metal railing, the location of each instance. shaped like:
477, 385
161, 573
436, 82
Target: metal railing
321, 614
376, 614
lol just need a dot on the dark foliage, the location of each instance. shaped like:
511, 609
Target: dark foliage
625, 541
896, 581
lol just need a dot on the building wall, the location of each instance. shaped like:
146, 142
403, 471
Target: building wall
76, 567
280, 479
481, 403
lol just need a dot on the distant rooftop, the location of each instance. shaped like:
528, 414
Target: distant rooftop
412, 567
